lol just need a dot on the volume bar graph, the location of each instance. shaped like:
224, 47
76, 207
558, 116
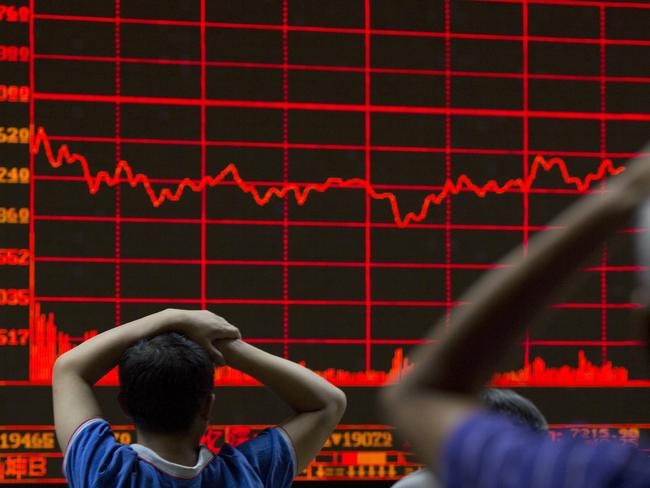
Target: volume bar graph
48, 343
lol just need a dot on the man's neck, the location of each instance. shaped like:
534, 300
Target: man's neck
180, 449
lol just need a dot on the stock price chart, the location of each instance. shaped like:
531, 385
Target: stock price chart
329, 175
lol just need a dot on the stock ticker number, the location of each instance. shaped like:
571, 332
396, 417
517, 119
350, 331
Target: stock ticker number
14, 54
27, 440
14, 297
11, 13
14, 135
14, 93
13, 337
361, 439
13, 215
14, 176
14, 257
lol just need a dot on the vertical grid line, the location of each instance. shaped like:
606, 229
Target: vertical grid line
285, 177
525, 151
603, 152
203, 156
118, 157
368, 175
448, 293
33, 369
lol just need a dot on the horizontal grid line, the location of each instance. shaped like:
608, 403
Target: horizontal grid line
346, 30
259, 262
254, 301
560, 191
336, 264
378, 341
302, 223
344, 147
298, 223
280, 301
578, 3
353, 69
538, 343
339, 107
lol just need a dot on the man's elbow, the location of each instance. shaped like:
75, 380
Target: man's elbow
62, 366
337, 403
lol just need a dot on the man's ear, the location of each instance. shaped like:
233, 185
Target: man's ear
122, 402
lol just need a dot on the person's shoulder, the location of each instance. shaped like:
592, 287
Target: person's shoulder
487, 446
269, 456
93, 454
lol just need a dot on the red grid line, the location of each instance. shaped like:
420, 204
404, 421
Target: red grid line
266, 262
338, 107
560, 191
347, 30
344, 147
448, 174
368, 174
285, 175
203, 124
346, 264
300, 223
580, 3
352, 69
603, 149
535, 343
118, 158
526, 155
280, 301
32, 265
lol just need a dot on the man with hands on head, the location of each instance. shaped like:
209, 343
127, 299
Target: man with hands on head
166, 368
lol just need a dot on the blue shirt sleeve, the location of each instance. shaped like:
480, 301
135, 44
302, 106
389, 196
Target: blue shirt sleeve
93, 455
488, 451
272, 457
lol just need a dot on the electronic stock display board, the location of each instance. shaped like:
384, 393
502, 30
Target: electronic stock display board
329, 175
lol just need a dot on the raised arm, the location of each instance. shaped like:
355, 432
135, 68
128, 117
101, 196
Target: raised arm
76, 371
318, 405
440, 391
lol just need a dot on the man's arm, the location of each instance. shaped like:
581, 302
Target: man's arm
318, 404
76, 371
440, 391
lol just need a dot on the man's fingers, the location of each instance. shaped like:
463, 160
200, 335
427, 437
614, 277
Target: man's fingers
227, 332
216, 356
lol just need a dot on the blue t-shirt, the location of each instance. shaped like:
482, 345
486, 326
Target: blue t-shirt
487, 451
95, 459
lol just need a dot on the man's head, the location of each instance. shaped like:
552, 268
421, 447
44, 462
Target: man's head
518, 409
166, 384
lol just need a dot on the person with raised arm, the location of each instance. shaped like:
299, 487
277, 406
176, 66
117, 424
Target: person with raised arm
436, 404
166, 369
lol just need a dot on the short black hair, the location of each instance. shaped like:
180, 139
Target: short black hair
163, 382
517, 408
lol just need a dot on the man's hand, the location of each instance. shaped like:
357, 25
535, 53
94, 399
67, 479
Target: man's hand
205, 328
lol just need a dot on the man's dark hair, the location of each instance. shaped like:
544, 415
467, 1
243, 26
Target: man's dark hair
517, 408
163, 382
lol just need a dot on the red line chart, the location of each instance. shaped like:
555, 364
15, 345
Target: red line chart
301, 193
